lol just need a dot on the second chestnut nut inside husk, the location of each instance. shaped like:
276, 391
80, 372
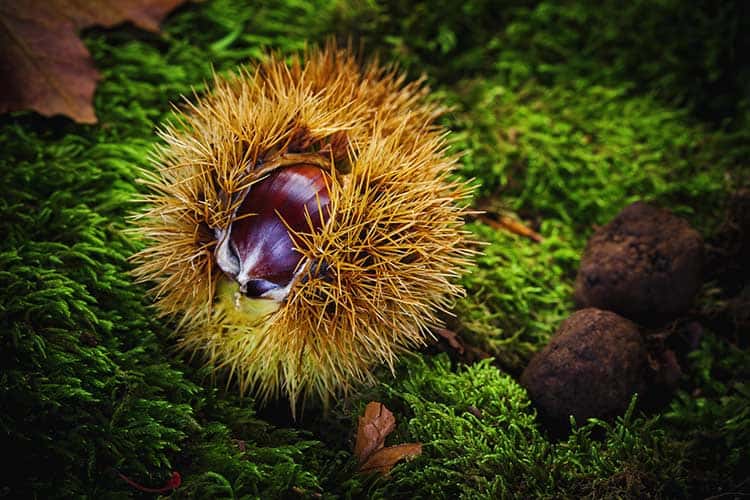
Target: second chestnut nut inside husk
305, 225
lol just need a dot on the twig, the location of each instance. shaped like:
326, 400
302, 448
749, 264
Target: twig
173, 483
512, 225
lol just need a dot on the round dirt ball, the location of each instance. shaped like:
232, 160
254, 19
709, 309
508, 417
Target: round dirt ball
591, 367
644, 265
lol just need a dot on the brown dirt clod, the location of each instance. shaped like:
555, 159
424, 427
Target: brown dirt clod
645, 264
592, 366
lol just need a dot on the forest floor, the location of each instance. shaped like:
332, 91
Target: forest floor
563, 115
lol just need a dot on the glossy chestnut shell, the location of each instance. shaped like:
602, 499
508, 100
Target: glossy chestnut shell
257, 249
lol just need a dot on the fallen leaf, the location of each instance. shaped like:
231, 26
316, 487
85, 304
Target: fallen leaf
383, 460
452, 338
474, 411
45, 66
452, 343
374, 426
174, 482
512, 225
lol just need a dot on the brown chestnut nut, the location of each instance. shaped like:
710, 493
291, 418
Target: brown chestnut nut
257, 250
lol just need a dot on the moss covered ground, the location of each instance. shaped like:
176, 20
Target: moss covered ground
564, 111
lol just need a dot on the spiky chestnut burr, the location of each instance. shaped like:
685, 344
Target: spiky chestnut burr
303, 224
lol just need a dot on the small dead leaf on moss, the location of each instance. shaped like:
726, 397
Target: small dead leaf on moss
454, 341
512, 225
374, 426
45, 67
383, 460
459, 350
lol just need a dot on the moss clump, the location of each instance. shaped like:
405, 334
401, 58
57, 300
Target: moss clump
481, 440
690, 58
463, 454
558, 155
711, 415
515, 296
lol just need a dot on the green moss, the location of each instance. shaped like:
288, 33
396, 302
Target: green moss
712, 414
464, 455
691, 57
573, 155
481, 440
85, 383
516, 295
558, 121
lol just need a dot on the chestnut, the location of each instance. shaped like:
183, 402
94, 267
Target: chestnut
257, 250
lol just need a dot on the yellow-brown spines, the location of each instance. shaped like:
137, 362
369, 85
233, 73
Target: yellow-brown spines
370, 282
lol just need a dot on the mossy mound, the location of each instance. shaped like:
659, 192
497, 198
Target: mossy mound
561, 124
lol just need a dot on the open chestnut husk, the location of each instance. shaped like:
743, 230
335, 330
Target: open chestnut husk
305, 225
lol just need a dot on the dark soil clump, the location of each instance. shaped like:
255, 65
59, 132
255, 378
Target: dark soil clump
645, 265
592, 366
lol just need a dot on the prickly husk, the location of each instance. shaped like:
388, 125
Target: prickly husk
375, 277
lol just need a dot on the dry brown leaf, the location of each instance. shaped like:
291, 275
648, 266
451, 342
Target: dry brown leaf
450, 342
512, 225
454, 341
383, 460
374, 426
45, 66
